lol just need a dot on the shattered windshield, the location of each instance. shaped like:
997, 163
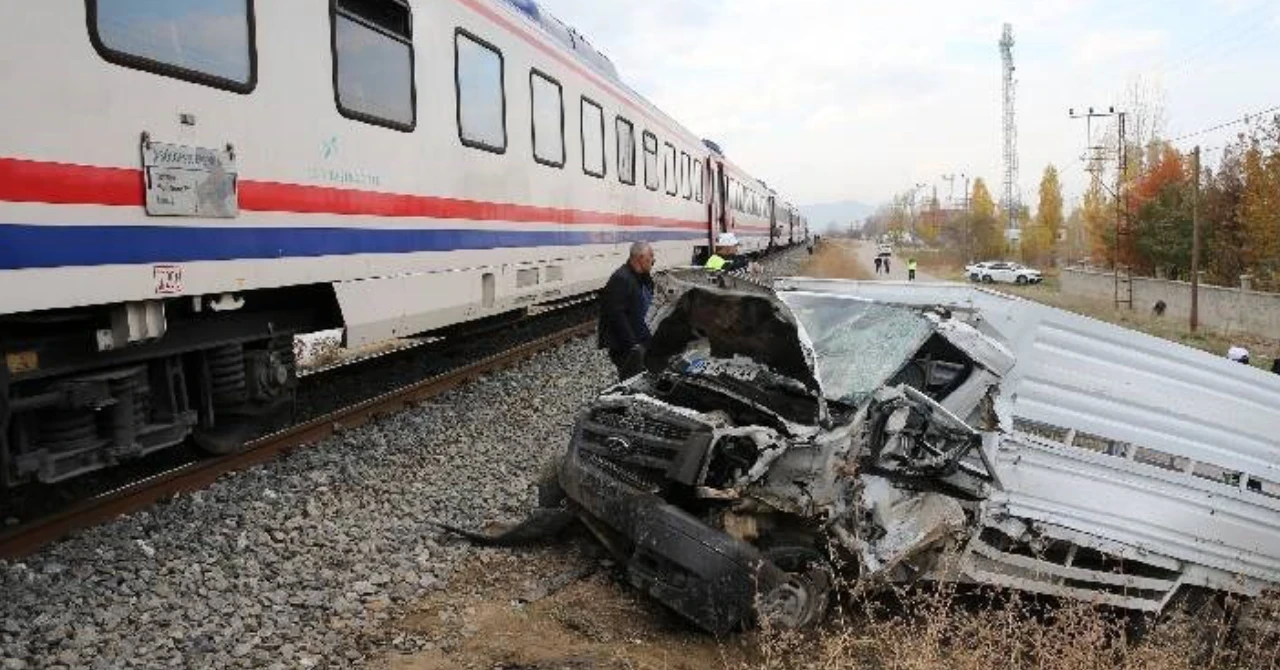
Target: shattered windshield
859, 345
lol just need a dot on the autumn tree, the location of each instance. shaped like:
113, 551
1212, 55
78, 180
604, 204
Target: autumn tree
1040, 239
1098, 213
1224, 237
1259, 208
986, 234
1160, 206
1075, 245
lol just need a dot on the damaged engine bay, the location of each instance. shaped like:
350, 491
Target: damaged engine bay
785, 440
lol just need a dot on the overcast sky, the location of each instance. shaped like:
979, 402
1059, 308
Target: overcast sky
848, 99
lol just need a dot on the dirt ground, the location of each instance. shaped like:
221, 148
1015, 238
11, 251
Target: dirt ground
498, 613
836, 259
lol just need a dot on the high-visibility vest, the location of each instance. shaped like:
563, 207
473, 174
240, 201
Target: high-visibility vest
715, 262
911, 265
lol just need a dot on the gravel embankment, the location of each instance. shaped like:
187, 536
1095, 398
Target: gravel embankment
285, 565
294, 563
788, 263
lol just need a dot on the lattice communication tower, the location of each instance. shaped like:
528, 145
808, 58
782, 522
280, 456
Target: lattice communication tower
1010, 200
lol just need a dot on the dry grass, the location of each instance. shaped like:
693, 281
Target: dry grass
835, 259
937, 629
942, 263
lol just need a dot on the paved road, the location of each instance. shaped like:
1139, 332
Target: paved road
897, 268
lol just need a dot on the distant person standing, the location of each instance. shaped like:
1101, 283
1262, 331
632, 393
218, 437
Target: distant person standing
624, 303
911, 269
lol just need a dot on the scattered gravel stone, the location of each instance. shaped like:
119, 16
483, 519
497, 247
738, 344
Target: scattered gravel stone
294, 563
788, 263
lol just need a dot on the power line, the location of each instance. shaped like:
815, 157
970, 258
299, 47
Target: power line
1228, 34
1225, 124
1218, 52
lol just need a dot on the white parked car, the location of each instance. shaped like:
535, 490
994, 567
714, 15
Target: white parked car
1000, 271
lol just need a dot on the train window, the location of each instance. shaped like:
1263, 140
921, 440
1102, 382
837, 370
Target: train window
669, 168
626, 150
547, 100
650, 161
592, 138
208, 42
482, 100
373, 62
686, 175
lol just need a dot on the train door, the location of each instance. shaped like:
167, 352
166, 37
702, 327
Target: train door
722, 218
710, 184
775, 238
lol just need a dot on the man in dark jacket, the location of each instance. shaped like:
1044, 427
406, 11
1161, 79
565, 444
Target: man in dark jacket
624, 302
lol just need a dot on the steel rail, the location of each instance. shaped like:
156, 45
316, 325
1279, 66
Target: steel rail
28, 539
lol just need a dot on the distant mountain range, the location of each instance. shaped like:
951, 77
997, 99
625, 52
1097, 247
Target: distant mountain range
839, 214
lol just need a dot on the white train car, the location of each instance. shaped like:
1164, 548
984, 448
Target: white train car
749, 216
186, 184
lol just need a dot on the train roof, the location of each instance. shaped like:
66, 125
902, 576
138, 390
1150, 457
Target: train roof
566, 35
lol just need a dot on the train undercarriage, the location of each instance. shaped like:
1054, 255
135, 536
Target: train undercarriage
86, 389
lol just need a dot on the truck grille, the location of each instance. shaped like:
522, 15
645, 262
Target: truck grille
633, 421
633, 446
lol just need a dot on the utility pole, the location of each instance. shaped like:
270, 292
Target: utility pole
1097, 157
1124, 228
968, 223
1195, 239
951, 190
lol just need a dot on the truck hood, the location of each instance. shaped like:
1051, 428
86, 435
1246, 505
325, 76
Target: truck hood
734, 323
839, 347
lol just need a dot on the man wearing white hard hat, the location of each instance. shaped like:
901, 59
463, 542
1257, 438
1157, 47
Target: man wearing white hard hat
726, 258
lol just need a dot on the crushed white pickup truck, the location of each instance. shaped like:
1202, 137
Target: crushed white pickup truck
782, 438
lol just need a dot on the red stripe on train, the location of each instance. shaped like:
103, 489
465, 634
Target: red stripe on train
66, 184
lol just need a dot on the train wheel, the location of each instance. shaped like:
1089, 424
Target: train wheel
246, 390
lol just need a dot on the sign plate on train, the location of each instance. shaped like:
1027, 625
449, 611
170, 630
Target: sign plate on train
189, 181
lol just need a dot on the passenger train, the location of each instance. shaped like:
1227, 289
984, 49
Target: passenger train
187, 184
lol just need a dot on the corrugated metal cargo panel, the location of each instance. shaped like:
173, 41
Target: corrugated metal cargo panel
1112, 382
1164, 512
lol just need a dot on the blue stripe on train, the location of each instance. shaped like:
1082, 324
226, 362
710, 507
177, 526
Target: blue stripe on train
29, 246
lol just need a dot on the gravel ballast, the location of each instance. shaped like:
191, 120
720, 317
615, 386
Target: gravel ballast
292, 564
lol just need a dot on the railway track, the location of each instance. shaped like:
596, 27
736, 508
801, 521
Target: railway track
29, 538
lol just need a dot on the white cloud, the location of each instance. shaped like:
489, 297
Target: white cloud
1116, 46
830, 99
